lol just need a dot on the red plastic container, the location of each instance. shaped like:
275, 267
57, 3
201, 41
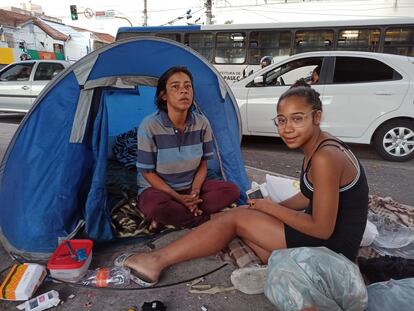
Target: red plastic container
64, 267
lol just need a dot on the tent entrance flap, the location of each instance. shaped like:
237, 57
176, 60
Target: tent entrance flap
120, 111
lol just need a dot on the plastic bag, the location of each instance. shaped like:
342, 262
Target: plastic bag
391, 295
393, 239
370, 234
314, 276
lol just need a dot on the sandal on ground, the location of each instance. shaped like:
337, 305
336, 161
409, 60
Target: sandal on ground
134, 276
250, 280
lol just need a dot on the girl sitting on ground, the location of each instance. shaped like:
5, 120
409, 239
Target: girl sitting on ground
334, 197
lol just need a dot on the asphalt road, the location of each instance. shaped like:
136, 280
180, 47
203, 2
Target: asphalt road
394, 179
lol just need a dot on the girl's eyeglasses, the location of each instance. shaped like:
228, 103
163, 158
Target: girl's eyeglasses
296, 120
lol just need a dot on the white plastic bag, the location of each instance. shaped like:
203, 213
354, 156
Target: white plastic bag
370, 234
281, 188
303, 277
391, 295
393, 239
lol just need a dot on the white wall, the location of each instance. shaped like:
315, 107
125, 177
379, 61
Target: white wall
77, 47
37, 39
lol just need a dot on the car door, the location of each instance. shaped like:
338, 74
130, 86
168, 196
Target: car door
45, 71
264, 92
360, 91
15, 86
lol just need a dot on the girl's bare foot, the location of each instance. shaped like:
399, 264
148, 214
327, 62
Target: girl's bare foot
145, 266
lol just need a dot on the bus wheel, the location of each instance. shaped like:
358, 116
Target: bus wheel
394, 140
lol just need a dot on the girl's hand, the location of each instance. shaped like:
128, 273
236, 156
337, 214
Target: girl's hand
260, 204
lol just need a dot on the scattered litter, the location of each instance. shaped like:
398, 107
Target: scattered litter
22, 281
212, 291
41, 302
196, 288
88, 304
204, 308
71, 296
133, 308
155, 305
206, 286
196, 281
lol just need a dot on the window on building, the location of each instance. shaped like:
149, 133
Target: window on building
8, 37
58, 48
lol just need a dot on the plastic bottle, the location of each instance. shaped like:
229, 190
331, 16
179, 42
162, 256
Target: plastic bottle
107, 277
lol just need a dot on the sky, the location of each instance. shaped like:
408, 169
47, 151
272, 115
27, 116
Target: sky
161, 12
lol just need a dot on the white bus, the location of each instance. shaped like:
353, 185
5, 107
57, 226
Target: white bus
236, 50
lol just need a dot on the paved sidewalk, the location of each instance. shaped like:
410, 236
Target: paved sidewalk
175, 297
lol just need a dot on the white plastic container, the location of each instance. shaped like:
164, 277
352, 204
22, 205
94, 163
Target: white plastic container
64, 266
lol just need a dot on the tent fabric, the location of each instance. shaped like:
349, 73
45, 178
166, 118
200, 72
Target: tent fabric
52, 177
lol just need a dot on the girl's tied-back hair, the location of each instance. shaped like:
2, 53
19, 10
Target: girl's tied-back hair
162, 86
302, 89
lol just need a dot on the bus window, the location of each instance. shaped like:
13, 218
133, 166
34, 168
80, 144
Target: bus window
230, 48
399, 41
171, 36
201, 42
313, 40
268, 43
359, 39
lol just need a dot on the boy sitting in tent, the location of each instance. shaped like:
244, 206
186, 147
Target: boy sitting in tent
174, 145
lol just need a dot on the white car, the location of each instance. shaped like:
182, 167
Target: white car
21, 82
367, 97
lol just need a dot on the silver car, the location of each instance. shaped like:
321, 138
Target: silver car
21, 82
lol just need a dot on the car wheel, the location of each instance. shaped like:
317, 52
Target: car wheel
394, 140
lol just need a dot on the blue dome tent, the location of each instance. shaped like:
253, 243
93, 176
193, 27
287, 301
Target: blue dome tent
52, 177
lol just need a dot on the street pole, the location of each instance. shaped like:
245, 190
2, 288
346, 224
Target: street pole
145, 14
209, 16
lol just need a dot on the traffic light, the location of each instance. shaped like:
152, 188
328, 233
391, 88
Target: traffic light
21, 45
74, 12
